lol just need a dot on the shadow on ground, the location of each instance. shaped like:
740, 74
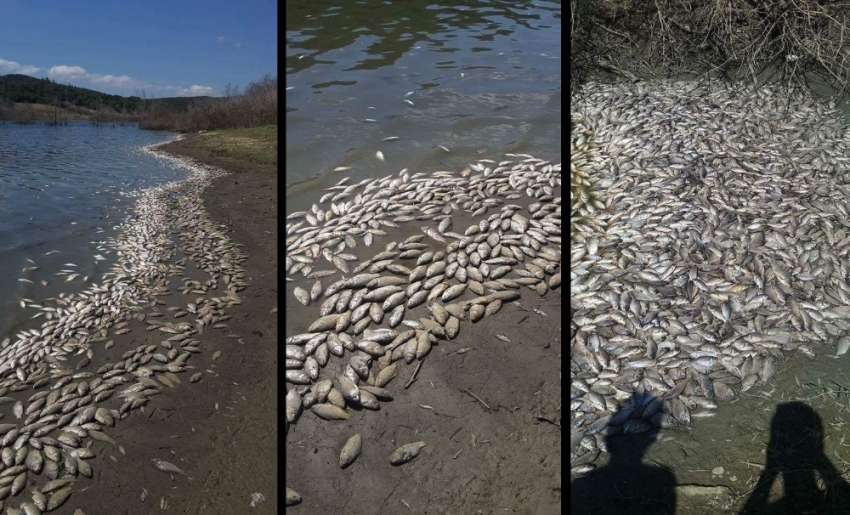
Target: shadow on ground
798, 478
626, 485
811, 483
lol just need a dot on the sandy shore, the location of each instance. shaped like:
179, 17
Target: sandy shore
223, 431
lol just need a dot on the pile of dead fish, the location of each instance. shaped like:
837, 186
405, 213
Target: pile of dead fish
78, 396
710, 240
457, 276
446, 276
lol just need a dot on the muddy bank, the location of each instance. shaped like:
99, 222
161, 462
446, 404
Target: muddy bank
477, 460
223, 430
753, 450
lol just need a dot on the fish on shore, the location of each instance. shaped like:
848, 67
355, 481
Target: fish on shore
512, 243
698, 262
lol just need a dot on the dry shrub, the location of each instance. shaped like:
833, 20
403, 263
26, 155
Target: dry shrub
790, 40
255, 107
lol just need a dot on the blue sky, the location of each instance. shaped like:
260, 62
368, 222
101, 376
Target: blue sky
173, 48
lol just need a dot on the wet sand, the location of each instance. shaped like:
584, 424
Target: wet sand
222, 431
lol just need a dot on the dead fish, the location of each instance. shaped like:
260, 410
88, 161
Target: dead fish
385, 376
452, 327
423, 344
324, 323
56, 484
59, 498
453, 292
406, 453
316, 291
292, 497
476, 312
583, 469
330, 411
165, 466
293, 405
350, 451
302, 295
748, 382
378, 392
842, 346
433, 234
680, 412
297, 377
349, 389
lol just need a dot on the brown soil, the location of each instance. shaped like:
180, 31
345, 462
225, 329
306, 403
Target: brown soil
222, 431
514, 464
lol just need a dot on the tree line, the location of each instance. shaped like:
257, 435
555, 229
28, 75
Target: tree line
25, 99
256, 106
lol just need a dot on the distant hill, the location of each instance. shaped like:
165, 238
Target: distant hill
25, 89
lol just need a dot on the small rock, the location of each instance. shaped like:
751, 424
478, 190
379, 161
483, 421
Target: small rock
733, 478
718, 471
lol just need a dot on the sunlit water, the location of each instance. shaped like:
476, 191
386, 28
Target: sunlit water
483, 78
61, 192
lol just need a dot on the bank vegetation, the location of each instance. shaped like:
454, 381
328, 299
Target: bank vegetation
256, 106
799, 42
26, 100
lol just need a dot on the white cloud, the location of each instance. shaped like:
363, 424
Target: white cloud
195, 91
122, 81
238, 45
63, 72
124, 84
220, 39
13, 67
66, 73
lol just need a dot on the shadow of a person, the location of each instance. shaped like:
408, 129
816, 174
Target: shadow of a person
626, 485
795, 454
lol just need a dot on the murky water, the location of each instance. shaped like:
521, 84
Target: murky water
479, 78
61, 192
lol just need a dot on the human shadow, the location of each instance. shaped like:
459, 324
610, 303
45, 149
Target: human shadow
810, 482
626, 485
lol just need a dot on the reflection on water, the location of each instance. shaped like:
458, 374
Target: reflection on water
481, 79
61, 192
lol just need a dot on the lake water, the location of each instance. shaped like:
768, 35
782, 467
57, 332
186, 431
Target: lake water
62, 189
481, 79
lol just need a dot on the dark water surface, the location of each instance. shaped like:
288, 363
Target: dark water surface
63, 189
485, 79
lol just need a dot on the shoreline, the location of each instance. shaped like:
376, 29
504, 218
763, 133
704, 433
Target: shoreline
485, 398
224, 430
